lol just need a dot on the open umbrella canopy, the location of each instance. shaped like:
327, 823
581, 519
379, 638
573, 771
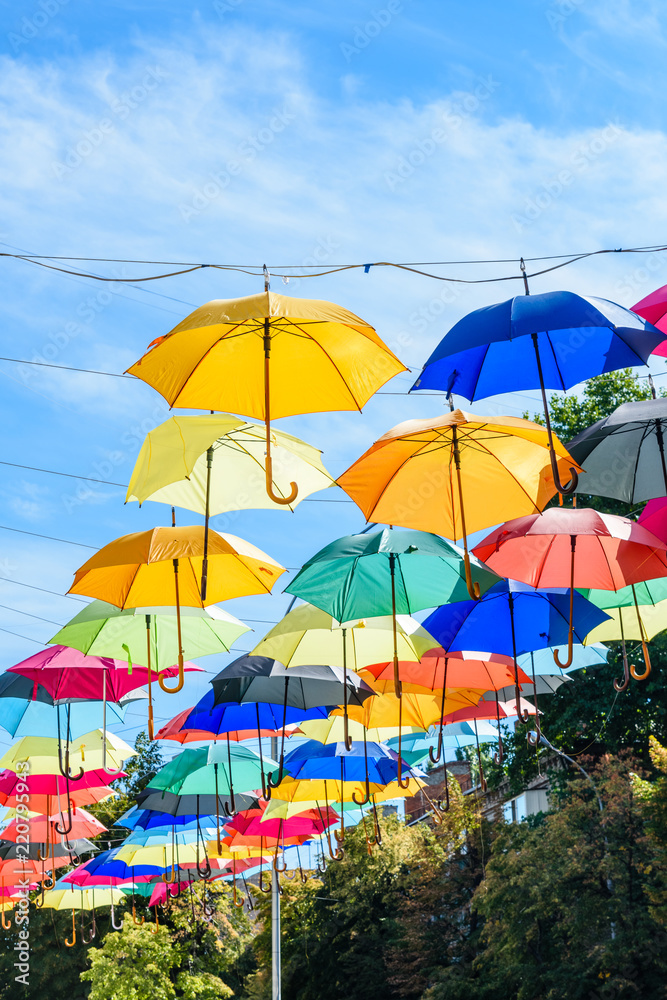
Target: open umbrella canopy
455, 735
71, 897
642, 622
307, 635
322, 357
420, 710
67, 673
174, 459
42, 828
647, 592
148, 819
385, 572
137, 570
515, 617
22, 717
332, 730
332, 760
325, 791
409, 476
43, 803
213, 721
607, 552
262, 679
52, 782
252, 826
541, 661
653, 307
654, 518
490, 351
85, 753
176, 805
195, 772
106, 869
459, 671
624, 454
101, 629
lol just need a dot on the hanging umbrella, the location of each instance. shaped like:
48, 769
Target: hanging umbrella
644, 598
42, 828
572, 338
464, 675
42, 802
267, 356
643, 622
95, 780
567, 547
149, 635
455, 474
624, 453
541, 661
143, 569
106, 868
654, 518
386, 572
149, 819
198, 462
516, 618
217, 721
85, 753
193, 772
255, 679
21, 716
172, 804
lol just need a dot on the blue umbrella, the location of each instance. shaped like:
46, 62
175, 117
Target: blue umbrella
516, 619
574, 337
149, 819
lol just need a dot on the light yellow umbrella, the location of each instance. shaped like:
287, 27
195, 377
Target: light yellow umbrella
643, 622
86, 753
220, 458
307, 635
266, 356
82, 899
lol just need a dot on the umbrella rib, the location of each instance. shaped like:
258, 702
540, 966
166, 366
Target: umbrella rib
331, 361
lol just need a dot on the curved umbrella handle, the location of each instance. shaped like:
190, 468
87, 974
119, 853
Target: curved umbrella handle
5, 922
236, 900
260, 882
570, 488
93, 929
533, 736
70, 821
437, 815
473, 588
647, 665
401, 782
134, 916
156, 926
116, 927
367, 790
179, 638
621, 686
276, 867
70, 944
268, 463
180, 680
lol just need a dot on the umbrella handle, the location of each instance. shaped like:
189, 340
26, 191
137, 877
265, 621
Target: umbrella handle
235, 898
156, 926
533, 736
435, 759
367, 790
294, 489
93, 930
437, 815
401, 782
276, 866
647, 664
574, 481
181, 675
135, 918
116, 927
621, 686
70, 821
260, 882
68, 943
181, 678
473, 588
151, 735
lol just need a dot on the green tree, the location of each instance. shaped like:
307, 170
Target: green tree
566, 903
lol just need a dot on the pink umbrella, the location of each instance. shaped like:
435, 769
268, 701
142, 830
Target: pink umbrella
50, 784
654, 308
654, 518
68, 674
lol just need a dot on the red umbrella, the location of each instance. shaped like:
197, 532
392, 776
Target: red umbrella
42, 828
51, 784
248, 827
654, 308
574, 547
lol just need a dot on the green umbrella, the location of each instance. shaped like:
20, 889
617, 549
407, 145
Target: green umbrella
215, 770
388, 572
148, 635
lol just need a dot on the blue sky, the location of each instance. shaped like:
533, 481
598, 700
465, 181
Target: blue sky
401, 131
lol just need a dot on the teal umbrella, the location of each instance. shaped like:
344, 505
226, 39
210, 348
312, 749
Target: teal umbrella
149, 635
392, 571
214, 770
650, 592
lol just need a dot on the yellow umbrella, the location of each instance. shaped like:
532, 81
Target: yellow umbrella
143, 570
75, 899
458, 473
643, 622
266, 356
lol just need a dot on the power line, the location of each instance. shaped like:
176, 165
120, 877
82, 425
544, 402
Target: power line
48, 538
43, 590
68, 475
19, 636
29, 615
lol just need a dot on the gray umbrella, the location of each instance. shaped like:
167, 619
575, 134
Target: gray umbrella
623, 455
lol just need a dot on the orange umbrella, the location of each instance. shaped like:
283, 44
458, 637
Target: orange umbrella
144, 570
457, 473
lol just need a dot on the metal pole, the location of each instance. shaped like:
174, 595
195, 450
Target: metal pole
276, 992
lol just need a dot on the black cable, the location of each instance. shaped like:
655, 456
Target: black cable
42, 590
29, 615
49, 538
69, 475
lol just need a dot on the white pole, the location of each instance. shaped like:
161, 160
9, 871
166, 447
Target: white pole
276, 992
